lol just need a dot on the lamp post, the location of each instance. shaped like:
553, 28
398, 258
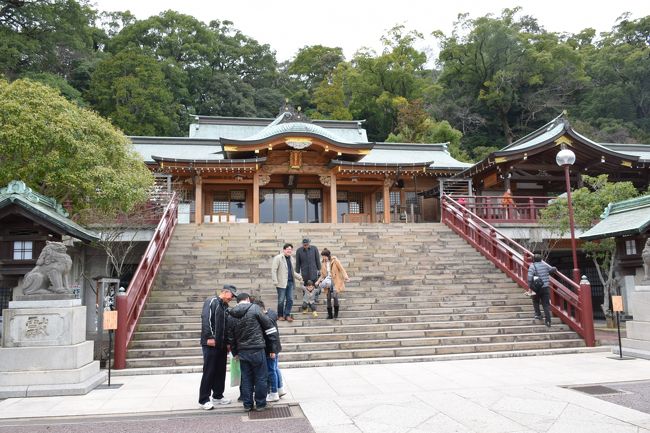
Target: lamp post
566, 158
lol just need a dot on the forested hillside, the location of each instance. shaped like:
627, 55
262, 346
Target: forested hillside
496, 78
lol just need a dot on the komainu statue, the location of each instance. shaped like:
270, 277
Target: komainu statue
645, 255
52, 271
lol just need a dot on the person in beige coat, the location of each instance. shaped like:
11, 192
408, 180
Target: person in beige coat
285, 277
332, 279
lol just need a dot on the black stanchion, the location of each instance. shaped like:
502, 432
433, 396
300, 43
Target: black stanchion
110, 349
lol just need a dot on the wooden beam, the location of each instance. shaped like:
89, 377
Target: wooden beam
333, 206
198, 200
387, 183
256, 199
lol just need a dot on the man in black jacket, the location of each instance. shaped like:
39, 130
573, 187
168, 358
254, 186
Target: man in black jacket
251, 335
308, 263
215, 348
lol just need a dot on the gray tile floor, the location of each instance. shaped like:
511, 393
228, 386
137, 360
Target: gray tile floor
518, 394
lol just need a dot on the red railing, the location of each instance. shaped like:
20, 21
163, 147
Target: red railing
570, 301
523, 209
131, 303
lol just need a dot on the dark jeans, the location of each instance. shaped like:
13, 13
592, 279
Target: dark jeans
545, 298
214, 373
254, 377
332, 294
285, 295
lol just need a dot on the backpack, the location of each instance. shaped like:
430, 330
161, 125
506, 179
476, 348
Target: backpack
537, 284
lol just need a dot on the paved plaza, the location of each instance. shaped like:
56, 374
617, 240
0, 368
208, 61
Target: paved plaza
517, 394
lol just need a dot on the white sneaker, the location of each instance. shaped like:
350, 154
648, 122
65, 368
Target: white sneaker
281, 392
207, 405
222, 400
273, 396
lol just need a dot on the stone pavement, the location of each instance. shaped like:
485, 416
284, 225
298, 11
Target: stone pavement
518, 394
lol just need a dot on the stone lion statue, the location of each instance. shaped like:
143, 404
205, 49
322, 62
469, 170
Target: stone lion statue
52, 271
645, 255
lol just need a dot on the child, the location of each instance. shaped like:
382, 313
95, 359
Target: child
310, 298
275, 378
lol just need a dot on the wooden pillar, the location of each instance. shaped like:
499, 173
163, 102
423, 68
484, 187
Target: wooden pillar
387, 184
333, 196
198, 199
256, 198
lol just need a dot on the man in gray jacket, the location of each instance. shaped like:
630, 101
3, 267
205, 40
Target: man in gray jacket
308, 261
542, 270
284, 276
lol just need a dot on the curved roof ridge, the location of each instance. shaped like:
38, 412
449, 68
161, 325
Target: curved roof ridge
545, 128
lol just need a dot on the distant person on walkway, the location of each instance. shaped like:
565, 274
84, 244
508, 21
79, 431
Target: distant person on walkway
285, 277
332, 279
310, 298
215, 348
252, 335
275, 378
308, 261
508, 204
541, 270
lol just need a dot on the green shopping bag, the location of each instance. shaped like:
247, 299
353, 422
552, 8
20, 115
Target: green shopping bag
235, 372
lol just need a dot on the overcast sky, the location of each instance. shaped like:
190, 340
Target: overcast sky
289, 25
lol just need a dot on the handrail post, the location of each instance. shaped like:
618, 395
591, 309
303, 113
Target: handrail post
122, 305
587, 312
531, 205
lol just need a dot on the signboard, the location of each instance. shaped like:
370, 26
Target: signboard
110, 320
617, 303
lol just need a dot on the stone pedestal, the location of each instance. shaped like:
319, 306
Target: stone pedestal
44, 350
637, 343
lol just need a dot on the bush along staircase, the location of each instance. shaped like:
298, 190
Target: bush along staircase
417, 292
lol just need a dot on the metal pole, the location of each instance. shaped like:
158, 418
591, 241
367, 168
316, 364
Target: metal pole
618, 326
110, 349
576, 271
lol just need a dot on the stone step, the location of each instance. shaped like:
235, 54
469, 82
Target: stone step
392, 353
373, 334
317, 327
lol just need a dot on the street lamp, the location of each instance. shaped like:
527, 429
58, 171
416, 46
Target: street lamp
566, 158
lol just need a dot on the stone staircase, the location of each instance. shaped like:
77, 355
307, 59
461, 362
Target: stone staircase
417, 292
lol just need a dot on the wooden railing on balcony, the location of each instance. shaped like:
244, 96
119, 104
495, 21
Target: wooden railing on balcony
570, 301
131, 303
523, 209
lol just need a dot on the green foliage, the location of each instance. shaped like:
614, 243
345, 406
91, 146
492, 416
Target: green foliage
506, 74
130, 88
589, 202
67, 152
414, 125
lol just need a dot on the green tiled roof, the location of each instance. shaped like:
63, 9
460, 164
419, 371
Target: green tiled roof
623, 218
17, 193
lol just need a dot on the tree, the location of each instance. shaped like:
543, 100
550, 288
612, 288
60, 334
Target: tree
52, 36
308, 69
131, 89
588, 204
67, 152
414, 125
619, 97
509, 71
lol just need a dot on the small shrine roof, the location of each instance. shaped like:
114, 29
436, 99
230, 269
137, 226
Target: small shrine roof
408, 153
43, 207
623, 218
177, 148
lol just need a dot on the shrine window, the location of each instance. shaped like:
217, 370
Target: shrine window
23, 250
630, 247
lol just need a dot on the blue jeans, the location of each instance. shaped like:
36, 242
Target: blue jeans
253, 377
285, 295
275, 379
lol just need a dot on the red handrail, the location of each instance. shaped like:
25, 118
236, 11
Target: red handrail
570, 301
523, 209
130, 304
